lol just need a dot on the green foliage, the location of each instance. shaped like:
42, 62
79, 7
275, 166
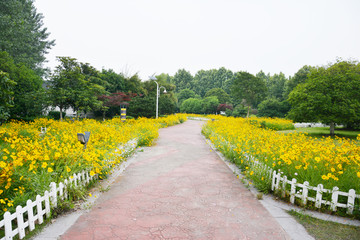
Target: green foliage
133, 84
75, 85
183, 80
55, 115
185, 94
276, 86
22, 34
142, 106
115, 82
249, 88
239, 111
29, 96
272, 107
191, 105
330, 95
300, 77
206, 80
209, 105
221, 95
6, 96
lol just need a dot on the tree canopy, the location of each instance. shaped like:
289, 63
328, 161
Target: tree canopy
249, 88
329, 95
22, 34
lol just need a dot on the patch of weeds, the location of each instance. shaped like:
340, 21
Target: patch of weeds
102, 189
325, 230
63, 206
260, 196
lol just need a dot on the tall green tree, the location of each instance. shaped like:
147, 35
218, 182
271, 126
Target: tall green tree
75, 85
191, 105
329, 95
249, 88
6, 96
205, 80
276, 86
221, 95
29, 97
209, 104
185, 94
115, 81
23, 35
182, 79
300, 77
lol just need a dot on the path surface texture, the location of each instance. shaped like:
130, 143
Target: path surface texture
177, 189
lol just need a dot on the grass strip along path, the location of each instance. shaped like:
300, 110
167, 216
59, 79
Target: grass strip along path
177, 189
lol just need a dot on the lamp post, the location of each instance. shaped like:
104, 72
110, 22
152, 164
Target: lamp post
157, 94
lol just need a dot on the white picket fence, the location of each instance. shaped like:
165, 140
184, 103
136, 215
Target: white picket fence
34, 211
301, 191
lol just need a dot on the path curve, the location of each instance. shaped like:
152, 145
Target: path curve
177, 189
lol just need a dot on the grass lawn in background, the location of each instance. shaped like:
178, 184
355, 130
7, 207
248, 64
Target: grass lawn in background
325, 230
325, 132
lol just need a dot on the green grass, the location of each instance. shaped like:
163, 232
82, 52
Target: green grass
325, 230
319, 132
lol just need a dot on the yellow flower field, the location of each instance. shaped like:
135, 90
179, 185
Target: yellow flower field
331, 162
29, 160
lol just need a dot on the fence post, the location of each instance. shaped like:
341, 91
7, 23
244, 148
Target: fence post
39, 209
66, 183
319, 191
8, 226
293, 191
61, 191
30, 210
278, 176
20, 221
334, 198
351, 201
47, 204
53, 194
284, 187
305, 192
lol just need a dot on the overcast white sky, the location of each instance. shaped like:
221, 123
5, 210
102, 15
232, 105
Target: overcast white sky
162, 36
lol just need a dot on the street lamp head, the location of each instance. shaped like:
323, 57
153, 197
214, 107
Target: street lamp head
165, 91
152, 77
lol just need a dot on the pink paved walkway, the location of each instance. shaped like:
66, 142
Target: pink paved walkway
177, 189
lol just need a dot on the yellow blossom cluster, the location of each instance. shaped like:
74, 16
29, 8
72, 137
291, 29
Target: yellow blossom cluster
331, 162
30, 159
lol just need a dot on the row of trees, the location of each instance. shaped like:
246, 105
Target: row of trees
328, 94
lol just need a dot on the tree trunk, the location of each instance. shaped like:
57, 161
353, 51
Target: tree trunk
248, 113
104, 115
332, 129
61, 114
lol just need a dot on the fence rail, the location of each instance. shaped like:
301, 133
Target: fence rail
279, 183
33, 213
301, 190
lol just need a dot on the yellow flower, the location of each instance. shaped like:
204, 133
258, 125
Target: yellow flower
92, 173
251, 173
2, 164
50, 170
68, 169
44, 165
324, 177
358, 173
5, 157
